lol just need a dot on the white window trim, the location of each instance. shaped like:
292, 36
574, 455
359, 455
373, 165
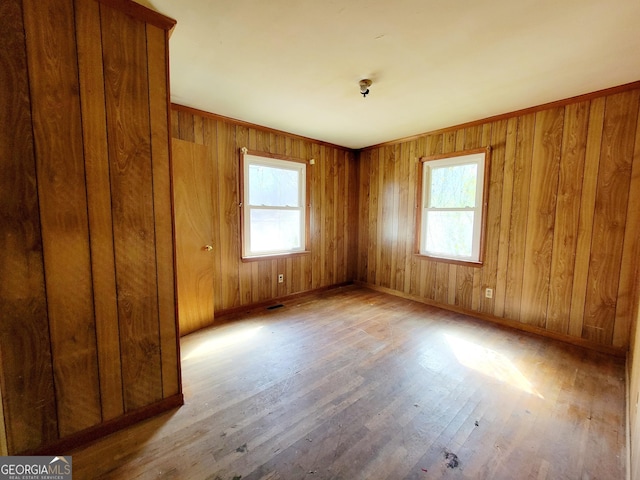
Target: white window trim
479, 157
248, 158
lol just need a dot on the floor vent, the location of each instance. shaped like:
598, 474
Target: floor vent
273, 307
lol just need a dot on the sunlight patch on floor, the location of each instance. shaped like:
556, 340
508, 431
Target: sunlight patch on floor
490, 363
221, 341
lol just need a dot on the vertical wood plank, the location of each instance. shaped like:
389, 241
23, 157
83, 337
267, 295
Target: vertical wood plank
335, 231
404, 236
316, 215
394, 188
294, 270
411, 280
585, 222
158, 64
567, 216
387, 233
307, 152
28, 400
128, 127
478, 273
229, 195
328, 220
547, 146
175, 124
614, 177
505, 217
489, 270
265, 280
281, 268
99, 204
340, 225
351, 219
519, 208
53, 79
374, 209
628, 286
198, 129
185, 127
364, 186
244, 269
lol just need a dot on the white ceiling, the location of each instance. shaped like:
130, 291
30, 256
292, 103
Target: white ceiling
294, 65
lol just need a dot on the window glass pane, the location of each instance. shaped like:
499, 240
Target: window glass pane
453, 186
275, 230
450, 233
272, 186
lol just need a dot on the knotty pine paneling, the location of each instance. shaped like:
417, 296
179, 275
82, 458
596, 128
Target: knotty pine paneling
88, 333
562, 231
333, 183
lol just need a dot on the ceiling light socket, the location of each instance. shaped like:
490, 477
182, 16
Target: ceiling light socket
364, 86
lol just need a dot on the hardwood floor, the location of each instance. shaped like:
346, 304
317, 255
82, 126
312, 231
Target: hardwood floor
355, 384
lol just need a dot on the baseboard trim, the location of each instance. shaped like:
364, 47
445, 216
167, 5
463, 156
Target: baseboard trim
230, 314
92, 434
580, 342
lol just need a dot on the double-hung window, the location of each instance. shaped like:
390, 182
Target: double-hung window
453, 199
274, 213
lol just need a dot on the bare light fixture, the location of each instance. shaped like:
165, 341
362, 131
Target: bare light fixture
364, 86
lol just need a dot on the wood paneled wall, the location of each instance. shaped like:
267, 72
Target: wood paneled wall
88, 330
334, 187
633, 389
563, 223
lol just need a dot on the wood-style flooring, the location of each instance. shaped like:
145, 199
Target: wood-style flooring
355, 384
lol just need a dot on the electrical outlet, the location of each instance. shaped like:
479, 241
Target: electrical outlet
488, 293
280, 278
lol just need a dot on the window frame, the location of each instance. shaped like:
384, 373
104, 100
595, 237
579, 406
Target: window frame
422, 198
270, 159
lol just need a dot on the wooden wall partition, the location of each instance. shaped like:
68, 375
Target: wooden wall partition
333, 184
562, 235
633, 390
88, 336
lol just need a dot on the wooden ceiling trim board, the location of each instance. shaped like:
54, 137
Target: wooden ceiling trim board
142, 13
505, 116
214, 116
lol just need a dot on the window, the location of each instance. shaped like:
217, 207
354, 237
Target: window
273, 208
453, 199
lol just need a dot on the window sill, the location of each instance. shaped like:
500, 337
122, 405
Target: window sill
276, 256
450, 260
